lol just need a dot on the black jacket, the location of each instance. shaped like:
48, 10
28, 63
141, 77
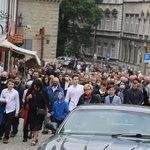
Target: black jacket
94, 99
134, 96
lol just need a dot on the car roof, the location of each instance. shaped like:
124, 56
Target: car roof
134, 108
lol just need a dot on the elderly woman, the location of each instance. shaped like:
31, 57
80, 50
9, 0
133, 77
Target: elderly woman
36, 98
88, 96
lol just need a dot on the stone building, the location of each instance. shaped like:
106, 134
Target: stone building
123, 34
37, 15
28, 27
135, 34
107, 35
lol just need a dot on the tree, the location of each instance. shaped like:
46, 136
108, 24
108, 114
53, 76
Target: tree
77, 19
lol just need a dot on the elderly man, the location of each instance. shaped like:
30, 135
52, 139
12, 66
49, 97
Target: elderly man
52, 91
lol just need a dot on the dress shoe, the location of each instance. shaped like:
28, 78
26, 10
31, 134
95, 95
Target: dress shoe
45, 132
5, 141
12, 135
24, 140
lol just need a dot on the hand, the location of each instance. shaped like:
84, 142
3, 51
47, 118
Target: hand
4, 100
29, 97
16, 114
48, 114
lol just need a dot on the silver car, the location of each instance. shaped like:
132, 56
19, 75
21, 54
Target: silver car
65, 60
102, 127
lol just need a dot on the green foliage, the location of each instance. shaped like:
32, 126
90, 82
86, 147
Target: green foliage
77, 19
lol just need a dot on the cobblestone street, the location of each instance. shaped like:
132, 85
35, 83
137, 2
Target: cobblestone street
17, 144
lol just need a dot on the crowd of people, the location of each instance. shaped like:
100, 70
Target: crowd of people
58, 90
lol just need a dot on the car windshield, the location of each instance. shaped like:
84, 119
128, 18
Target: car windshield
107, 122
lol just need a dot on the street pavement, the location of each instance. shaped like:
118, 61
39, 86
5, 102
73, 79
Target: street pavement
16, 143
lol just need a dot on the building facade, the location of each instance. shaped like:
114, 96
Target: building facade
36, 15
8, 12
123, 35
135, 35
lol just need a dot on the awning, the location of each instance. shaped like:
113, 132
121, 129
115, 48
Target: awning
2, 37
20, 50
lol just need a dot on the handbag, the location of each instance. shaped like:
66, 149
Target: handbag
40, 111
22, 112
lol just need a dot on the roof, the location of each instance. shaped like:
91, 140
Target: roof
20, 50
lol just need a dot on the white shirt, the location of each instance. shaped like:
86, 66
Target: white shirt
1, 69
12, 98
73, 95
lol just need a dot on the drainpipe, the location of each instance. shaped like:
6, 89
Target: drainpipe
6, 61
16, 16
8, 15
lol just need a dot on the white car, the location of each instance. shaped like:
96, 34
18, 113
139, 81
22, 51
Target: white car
65, 60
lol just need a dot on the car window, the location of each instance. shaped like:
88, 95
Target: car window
107, 122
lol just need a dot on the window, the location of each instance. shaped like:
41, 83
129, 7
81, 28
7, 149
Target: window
139, 57
27, 44
101, 24
113, 50
149, 27
89, 50
137, 25
108, 23
127, 23
105, 50
99, 49
143, 27
115, 23
132, 24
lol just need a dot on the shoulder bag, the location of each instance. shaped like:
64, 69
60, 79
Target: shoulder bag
40, 111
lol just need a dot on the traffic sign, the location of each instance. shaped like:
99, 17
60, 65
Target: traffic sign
107, 56
146, 57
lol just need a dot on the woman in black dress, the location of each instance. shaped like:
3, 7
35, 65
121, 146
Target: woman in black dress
36, 97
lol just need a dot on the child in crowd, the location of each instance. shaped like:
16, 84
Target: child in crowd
60, 110
112, 98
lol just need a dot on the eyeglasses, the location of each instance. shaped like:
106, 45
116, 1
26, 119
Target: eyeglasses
135, 82
86, 89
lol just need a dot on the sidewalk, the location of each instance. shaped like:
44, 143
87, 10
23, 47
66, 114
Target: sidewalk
16, 143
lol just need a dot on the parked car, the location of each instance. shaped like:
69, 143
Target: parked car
66, 61
102, 127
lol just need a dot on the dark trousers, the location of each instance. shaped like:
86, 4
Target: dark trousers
26, 130
53, 119
46, 119
15, 125
5, 127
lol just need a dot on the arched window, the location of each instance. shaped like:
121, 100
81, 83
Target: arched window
107, 21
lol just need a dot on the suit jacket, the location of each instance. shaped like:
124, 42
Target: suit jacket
116, 100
